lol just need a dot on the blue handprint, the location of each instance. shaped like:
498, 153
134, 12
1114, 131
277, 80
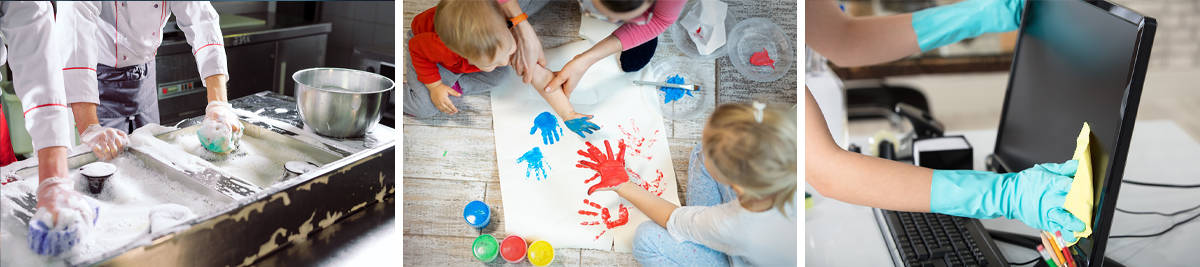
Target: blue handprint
535, 166
548, 123
582, 125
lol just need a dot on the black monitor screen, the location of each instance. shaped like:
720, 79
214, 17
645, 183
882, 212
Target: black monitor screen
1073, 65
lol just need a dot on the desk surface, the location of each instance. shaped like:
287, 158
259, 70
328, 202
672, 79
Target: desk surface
841, 234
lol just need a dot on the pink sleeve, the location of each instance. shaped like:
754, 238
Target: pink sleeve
665, 14
501, 1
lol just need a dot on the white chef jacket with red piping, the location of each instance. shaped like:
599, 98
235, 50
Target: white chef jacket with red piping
34, 42
122, 34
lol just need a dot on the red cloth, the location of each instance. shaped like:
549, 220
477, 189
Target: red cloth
426, 51
6, 150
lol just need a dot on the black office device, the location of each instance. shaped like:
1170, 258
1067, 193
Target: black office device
1076, 61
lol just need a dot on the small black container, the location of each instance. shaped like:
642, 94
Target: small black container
96, 174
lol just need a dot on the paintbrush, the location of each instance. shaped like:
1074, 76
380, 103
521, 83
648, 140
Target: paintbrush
692, 87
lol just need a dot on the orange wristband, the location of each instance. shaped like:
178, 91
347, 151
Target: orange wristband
517, 20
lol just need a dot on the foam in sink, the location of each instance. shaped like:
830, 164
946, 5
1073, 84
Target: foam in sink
141, 196
258, 160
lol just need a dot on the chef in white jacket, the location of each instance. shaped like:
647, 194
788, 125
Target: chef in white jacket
32, 43
110, 74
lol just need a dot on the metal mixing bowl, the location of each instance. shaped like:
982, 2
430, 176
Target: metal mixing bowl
340, 102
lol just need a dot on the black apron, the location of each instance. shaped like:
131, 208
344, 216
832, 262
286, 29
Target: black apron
128, 99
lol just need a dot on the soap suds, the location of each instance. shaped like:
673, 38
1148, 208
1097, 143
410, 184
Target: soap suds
126, 204
256, 160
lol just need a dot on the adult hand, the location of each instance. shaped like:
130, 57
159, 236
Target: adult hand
221, 130
106, 143
529, 53
568, 77
610, 168
62, 217
581, 124
1034, 196
943, 25
440, 94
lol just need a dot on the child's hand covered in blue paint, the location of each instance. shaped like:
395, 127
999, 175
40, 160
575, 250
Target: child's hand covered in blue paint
549, 126
582, 125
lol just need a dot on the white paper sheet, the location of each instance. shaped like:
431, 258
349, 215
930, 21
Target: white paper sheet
550, 208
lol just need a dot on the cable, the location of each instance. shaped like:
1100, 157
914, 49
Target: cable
1161, 185
1035, 259
1159, 233
1158, 213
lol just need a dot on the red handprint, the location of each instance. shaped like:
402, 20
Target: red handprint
605, 217
640, 143
610, 168
654, 187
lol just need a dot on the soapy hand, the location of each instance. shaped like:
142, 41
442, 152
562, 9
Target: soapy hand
610, 168
106, 143
548, 123
221, 131
581, 124
63, 217
1034, 196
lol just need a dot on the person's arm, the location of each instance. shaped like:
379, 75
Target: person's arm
665, 12
27, 30
216, 88
850, 42
529, 53
201, 25
569, 76
657, 209
558, 99
856, 178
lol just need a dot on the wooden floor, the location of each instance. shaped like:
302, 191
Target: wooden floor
442, 173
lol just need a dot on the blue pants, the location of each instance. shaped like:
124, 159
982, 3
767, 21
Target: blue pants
653, 246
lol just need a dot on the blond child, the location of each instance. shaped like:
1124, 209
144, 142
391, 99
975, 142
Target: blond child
465, 47
741, 195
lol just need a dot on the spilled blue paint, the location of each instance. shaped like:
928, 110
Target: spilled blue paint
548, 123
672, 94
535, 164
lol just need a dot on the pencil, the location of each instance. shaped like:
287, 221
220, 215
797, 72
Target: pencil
1041, 249
1046, 244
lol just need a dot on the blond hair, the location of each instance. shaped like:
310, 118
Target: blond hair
465, 26
756, 152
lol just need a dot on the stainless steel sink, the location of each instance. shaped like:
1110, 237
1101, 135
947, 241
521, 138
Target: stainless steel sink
259, 159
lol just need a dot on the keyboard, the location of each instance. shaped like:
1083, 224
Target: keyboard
930, 239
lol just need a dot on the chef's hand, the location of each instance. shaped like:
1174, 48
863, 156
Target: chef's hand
440, 94
221, 111
529, 53
569, 76
106, 143
62, 218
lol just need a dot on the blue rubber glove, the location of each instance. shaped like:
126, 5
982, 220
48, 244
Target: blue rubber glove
1034, 196
582, 125
943, 25
62, 218
548, 123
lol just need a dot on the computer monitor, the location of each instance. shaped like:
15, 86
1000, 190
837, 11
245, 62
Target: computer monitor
1076, 61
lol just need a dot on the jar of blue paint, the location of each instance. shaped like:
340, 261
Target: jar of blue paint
477, 214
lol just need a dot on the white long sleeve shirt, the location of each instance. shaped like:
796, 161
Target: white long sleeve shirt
766, 238
35, 44
122, 34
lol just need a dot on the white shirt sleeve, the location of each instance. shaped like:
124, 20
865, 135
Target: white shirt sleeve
79, 75
705, 225
30, 34
201, 26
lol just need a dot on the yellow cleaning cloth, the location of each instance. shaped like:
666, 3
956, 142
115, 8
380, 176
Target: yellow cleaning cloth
1079, 198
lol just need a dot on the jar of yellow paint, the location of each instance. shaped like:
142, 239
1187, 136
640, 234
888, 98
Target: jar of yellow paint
541, 253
